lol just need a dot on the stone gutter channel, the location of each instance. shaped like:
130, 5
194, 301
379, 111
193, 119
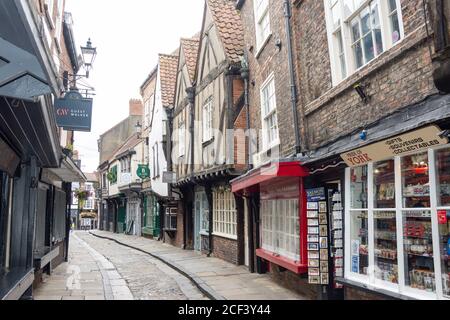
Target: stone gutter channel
197, 281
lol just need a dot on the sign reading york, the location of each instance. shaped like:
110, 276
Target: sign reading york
416, 141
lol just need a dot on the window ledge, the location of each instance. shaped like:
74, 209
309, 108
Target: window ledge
369, 288
204, 233
286, 263
407, 43
263, 46
226, 236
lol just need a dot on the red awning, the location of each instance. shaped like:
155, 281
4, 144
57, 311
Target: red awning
267, 173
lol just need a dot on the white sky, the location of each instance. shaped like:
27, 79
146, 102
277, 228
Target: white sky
128, 36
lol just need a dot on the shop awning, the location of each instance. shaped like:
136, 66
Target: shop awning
249, 183
21, 75
69, 171
25, 63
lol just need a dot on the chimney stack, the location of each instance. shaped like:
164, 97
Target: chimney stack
136, 107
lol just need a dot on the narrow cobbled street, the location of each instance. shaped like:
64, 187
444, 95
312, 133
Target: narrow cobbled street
103, 269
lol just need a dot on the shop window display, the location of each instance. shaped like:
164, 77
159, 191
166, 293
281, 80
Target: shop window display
359, 242
443, 190
359, 188
404, 196
418, 239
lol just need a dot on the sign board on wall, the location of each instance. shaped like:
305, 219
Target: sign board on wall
74, 112
416, 141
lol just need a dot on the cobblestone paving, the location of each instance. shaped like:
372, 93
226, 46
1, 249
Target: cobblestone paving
103, 270
146, 277
225, 279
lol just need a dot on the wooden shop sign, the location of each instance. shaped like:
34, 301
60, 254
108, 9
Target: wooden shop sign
415, 141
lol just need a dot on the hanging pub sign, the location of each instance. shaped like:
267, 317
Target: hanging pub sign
143, 171
73, 112
415, 141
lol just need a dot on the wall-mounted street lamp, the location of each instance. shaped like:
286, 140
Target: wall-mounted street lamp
89, 54
138, 128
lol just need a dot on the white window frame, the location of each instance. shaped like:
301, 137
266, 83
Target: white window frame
207, 120
181, 140
224, 214
59, 22
344, 26
171, 213
272, 216
272, 112
370, 279
261, 13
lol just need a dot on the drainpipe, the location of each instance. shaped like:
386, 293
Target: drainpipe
246, 75
191, 98
288, 15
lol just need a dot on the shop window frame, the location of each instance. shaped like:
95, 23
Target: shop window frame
370, 279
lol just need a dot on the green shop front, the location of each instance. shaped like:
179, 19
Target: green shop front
151, 224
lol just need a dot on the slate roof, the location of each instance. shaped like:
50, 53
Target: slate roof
229, 25
168, 65
190, 49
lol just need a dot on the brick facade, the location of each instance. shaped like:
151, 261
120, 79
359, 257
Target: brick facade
225, 249
270, 59
399, 77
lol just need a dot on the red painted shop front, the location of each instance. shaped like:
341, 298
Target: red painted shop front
282, 213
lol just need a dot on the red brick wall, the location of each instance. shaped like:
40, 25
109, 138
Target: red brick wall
398, 78
225, 249
355, 294
294, 282
270, 59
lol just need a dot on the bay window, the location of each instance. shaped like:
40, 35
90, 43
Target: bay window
397, 224
269, 114
224, 214
280, 219
359, 31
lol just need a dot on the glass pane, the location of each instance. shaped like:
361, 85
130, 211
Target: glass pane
355, 30
359, 59
386, 246
415, 181
418, 243
392, 5
395, 26
358, 188
369, 50
444, 232
443, 177
384, 184
378, 41
365, 21
359, 242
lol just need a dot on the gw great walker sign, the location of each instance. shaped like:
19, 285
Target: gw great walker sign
74, 112
416, 141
